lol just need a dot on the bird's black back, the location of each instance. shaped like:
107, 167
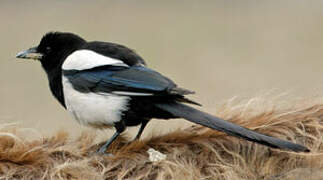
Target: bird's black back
115, 51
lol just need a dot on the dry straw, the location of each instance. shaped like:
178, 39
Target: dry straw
192, 153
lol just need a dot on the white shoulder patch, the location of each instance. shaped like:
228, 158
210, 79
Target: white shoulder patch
87, 59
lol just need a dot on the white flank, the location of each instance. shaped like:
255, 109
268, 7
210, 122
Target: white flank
87, 59
92, 108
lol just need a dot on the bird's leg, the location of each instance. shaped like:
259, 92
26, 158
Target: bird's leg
141, 129
120, 127
106, 145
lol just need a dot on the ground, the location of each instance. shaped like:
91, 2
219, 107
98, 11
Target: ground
191, 153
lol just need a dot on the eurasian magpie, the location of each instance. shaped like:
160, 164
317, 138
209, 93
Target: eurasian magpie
105, 85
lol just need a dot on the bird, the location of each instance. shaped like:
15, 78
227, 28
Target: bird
106, 85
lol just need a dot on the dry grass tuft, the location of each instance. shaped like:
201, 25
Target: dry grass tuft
192, 153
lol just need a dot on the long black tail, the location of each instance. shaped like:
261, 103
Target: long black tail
205, 119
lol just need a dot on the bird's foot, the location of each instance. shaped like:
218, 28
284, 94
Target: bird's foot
104, 154
102, 151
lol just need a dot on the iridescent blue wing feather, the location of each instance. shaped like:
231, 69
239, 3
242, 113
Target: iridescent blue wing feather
135, 79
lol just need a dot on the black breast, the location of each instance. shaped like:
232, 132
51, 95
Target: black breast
56, 86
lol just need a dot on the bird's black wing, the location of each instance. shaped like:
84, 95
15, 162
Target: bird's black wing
121, 80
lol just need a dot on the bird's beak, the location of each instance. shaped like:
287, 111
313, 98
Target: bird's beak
30, 54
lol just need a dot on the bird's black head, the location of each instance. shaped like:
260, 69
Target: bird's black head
53, 48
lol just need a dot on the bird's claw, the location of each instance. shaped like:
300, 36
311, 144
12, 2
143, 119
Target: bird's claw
100, 153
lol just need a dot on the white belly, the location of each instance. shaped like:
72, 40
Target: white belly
92, 109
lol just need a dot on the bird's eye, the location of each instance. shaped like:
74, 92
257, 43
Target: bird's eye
48, 49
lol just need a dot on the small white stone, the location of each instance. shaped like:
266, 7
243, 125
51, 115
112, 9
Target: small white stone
155, 156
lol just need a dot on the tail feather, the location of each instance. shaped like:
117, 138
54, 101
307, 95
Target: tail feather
205, 119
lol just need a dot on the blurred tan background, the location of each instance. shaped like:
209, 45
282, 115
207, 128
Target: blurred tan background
219, 48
